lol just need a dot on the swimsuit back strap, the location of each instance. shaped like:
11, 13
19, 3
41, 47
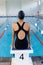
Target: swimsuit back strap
20, 26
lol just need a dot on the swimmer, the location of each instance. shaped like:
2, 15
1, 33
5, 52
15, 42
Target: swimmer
2, 34
21, 31
42, 42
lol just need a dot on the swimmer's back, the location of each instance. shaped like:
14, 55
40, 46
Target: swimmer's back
21, 31
26, 27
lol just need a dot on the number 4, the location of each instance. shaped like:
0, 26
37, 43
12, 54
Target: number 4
22, 57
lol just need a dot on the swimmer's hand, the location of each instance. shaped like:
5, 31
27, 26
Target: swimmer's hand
12, 46
29, 45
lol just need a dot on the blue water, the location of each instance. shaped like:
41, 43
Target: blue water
6, 39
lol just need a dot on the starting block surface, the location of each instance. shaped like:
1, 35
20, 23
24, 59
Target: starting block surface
21, 57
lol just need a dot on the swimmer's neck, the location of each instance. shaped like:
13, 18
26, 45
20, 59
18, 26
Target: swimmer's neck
20, 20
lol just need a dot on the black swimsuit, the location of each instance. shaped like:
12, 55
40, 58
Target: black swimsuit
21, 44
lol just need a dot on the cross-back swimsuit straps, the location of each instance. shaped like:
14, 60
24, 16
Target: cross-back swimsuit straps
21, 44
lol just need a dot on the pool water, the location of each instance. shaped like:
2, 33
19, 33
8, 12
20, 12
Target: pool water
6, 39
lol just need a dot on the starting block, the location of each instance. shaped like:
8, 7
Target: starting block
21, 57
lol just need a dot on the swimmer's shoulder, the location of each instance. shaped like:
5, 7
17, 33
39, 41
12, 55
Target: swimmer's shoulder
14, 24
27, 24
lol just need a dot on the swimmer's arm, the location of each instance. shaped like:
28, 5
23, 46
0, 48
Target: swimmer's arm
29, 36
13, 36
